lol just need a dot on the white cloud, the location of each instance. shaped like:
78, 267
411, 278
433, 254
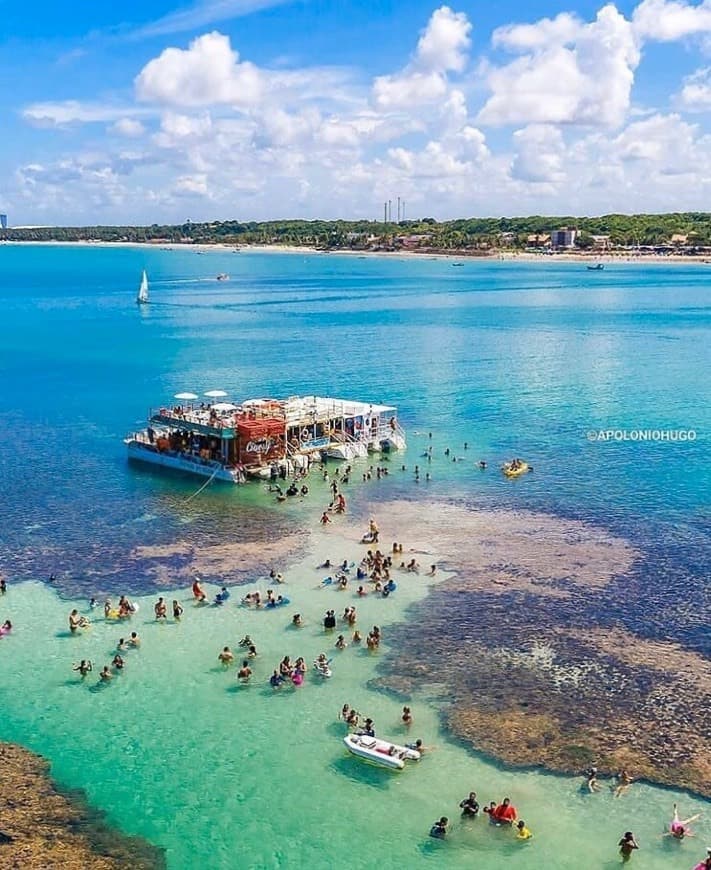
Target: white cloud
666, 142
409, 88
562, 29
66, 112
203, 13
443, 45
588, 82
192, 185
128, 127
695, 95
539, 154
442, 48
209, 72
670, 20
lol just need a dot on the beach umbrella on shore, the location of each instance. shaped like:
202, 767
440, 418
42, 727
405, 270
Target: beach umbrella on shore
224, 406
185, 396
216, 394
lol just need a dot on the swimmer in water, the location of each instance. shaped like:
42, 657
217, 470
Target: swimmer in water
439, 829
522, 832
627, 845
296, 620
160, 609
245, 672
134, 640
246, 641
226, 656
491, 812
356, 637
105, 676
679, 828
407, 716
117, 662
624, 781
593, 784
470, 805
84, 667
177, 611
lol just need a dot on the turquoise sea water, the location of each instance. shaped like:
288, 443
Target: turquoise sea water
514, 359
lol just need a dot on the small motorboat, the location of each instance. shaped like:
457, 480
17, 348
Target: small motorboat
515, 468
598, 267
380, 752
223, 276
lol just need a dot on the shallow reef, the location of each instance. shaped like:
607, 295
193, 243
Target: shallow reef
42, 826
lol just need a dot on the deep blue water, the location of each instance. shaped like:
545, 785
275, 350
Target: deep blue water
512, 358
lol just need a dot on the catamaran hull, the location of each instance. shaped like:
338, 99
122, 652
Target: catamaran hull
139, 452
348, 451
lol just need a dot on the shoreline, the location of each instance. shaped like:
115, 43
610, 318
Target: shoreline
606, 258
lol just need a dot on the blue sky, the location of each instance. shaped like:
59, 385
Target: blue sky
254, 109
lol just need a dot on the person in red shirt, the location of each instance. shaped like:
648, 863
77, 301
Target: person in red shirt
505, 813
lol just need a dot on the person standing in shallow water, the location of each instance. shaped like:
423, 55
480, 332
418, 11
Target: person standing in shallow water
627, 845
439, 829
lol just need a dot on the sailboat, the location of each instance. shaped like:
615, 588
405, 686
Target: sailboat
142, 298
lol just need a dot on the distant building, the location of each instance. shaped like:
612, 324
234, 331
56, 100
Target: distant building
563, 238
602, 243
679, 239
538, 239
3, 221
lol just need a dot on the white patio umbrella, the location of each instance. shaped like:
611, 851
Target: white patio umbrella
185, 396
224, 406
216, 394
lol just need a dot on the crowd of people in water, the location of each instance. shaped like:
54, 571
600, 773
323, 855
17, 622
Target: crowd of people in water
373, 575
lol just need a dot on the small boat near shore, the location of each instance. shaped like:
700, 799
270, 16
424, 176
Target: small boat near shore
223, 276
598, 267
380, 752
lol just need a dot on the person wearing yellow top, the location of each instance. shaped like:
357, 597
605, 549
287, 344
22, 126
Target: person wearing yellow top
522, 832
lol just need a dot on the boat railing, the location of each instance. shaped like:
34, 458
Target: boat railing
389, 429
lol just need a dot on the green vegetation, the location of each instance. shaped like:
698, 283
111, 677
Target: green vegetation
685, 231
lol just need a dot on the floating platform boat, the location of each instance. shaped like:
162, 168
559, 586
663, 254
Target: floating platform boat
262, 438
380, 752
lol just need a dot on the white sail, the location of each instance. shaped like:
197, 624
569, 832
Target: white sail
142, 297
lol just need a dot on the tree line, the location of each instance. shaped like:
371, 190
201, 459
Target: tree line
502, 233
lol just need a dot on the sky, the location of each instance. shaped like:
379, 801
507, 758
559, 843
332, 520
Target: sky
160, 111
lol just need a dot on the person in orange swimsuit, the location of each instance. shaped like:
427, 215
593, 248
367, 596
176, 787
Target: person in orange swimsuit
505, 813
